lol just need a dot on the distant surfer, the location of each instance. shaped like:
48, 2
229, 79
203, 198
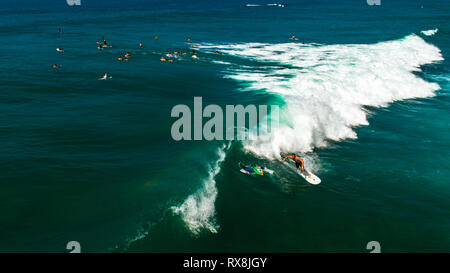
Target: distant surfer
293, 38
253, 170
298, 163
219, 53
105, 77
60, 50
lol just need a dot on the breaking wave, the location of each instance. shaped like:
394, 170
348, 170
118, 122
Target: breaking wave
327, 87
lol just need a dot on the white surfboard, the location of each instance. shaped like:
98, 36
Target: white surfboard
313, 179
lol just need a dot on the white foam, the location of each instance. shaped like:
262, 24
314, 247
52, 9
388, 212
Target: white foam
430, 32
198, 210
326, 87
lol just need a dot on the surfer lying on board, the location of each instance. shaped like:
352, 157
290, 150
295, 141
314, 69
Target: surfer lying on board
298, 163
256, 170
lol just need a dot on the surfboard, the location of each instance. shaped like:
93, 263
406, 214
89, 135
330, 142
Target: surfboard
244, 171
313, 179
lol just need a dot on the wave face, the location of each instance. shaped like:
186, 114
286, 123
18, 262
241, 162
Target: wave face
326, 87
198, 210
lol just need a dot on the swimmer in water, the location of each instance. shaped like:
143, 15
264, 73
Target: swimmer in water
105, 77
156, 37
55, 66
127, 55
188, 39
140, 44
60, 50
163, 59
220, 53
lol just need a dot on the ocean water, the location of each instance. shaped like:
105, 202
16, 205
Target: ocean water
363, 96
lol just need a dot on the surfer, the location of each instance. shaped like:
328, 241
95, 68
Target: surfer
218, 52
298, 163
105, 77
257, 170
127, 55
293, 38
60, 50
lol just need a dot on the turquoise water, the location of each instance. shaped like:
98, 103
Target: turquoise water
365, 101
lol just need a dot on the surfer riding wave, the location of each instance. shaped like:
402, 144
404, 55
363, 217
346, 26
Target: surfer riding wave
298, 163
